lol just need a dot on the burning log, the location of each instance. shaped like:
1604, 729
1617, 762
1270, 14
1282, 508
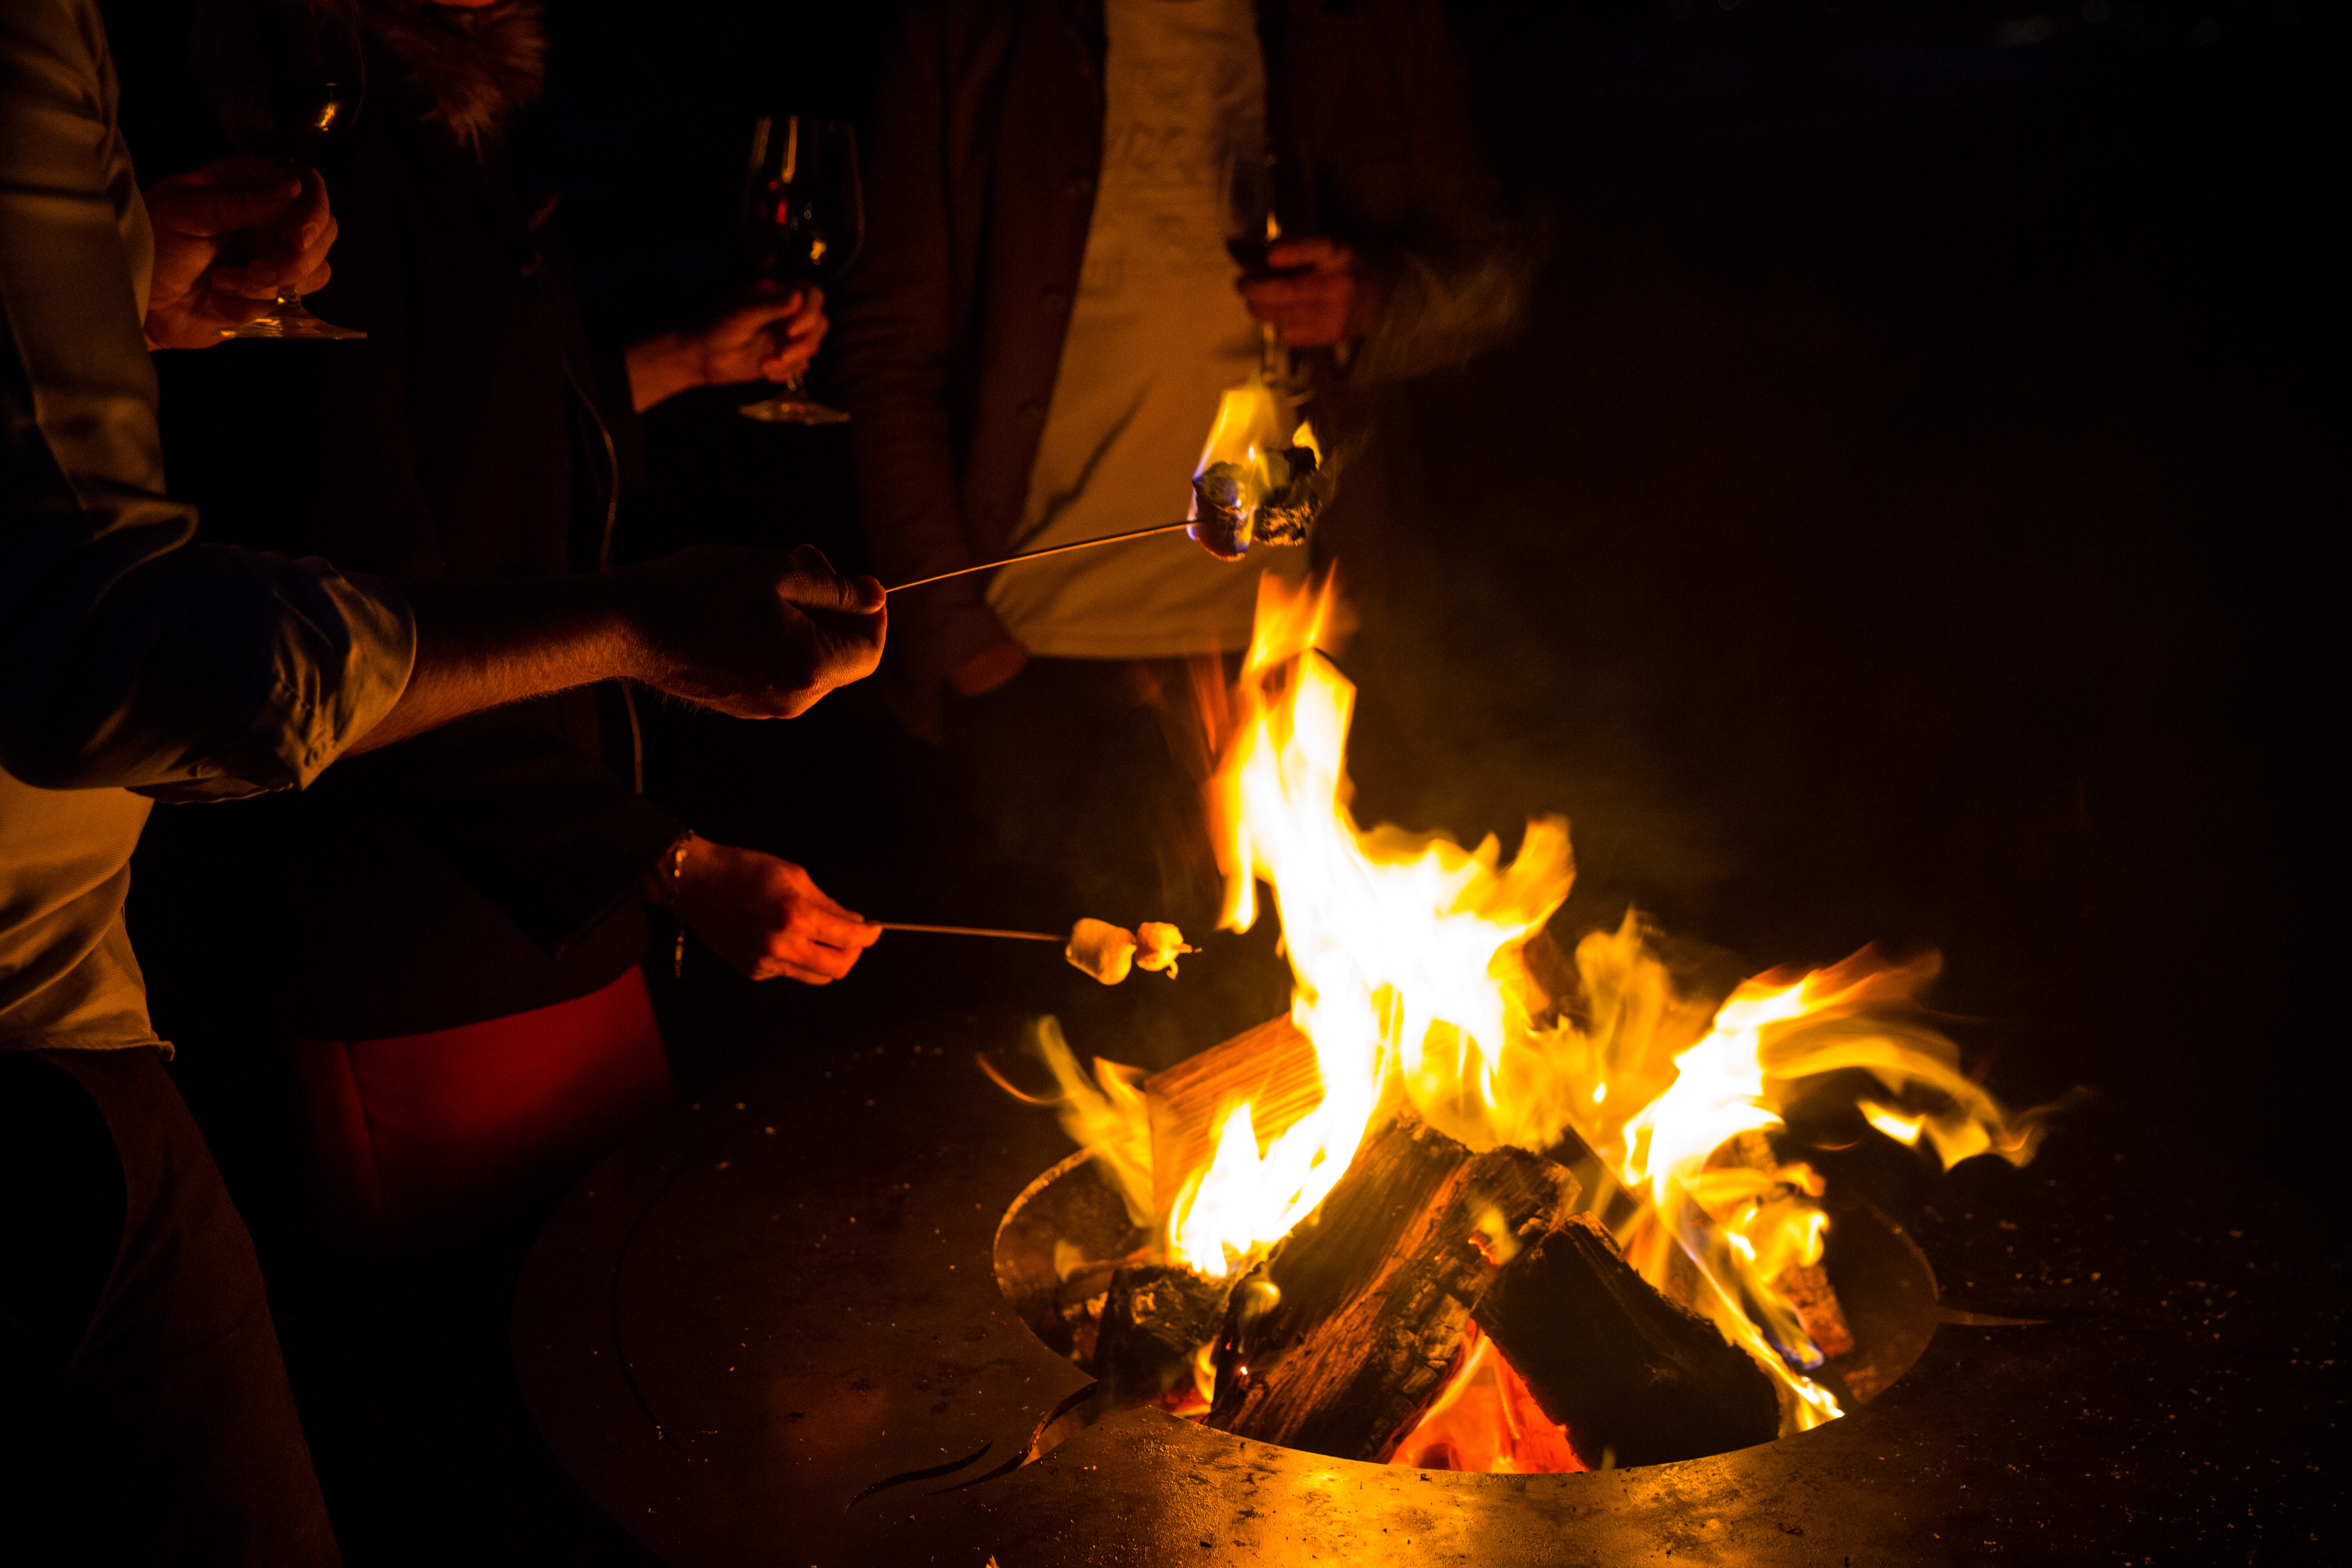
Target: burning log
1634, 1378
1806, 1286
1154, 1320
1367, 1306
1272, 1067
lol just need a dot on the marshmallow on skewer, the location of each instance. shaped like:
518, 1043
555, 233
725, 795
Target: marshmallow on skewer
1252, 484
1104, 951
1159, 943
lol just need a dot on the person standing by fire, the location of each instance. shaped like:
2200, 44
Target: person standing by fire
1033, 348
147, 1413
454, 926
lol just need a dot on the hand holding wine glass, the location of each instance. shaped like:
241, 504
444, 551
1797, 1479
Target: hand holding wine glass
803, 218
770, 335
1311, 294
285, 78
1307, 290
276, 219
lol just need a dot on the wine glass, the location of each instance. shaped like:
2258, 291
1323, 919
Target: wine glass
285, 78
1269, 197
805, 218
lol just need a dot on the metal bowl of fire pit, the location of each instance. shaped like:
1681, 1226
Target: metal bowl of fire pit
1059, 1242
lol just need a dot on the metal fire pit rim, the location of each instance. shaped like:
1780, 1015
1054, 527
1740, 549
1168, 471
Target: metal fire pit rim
1919, 1320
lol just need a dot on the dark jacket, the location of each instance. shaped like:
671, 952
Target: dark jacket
489, 866
979, 186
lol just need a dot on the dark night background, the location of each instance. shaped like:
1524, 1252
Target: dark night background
1900, 520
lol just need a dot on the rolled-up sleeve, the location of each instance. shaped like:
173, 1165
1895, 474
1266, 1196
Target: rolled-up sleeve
129, 655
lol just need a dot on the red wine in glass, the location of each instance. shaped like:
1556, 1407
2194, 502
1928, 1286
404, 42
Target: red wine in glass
803, 218
286, 78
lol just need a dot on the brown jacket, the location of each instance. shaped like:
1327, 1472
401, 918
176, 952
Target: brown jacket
979, 186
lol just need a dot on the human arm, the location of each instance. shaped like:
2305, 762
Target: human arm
755, 633
131, 657
773, 335
287, 231
763, 915
127, 656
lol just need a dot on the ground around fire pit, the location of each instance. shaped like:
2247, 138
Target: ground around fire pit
771, 1324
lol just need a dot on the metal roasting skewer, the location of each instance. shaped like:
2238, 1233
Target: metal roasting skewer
989, 930
972, 931
1041, 554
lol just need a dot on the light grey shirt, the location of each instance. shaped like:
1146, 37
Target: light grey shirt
1156, 333
130, 659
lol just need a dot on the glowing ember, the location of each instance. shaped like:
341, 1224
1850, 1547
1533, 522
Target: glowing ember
1406, 951
1487, 1420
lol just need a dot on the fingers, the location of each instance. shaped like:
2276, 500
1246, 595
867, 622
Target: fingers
1307, 311
766, 917
820, 940
753, 632
814, 584
796, 347
820, 919
209, 207
1312, 251
281, 222
289, 252
750, 317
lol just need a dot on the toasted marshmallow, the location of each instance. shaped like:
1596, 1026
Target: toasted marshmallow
1159, 944
1104, 951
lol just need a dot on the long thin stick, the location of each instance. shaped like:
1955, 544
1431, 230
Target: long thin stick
1040, 555
972, 931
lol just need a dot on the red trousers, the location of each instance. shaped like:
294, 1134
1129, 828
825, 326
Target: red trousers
420, 1139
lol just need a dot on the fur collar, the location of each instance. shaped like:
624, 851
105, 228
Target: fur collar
471, 68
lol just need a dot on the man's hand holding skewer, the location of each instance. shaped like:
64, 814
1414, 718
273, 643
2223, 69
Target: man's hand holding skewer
723, 627
754, 633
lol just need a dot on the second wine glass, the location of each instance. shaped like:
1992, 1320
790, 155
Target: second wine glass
805, 218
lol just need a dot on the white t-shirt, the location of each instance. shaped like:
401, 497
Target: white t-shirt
1157, 333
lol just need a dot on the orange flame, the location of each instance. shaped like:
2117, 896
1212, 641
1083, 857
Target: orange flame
1485, 1420
1409, 979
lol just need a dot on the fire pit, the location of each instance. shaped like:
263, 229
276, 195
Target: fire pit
756, 1346
841, 1317
1884, 1283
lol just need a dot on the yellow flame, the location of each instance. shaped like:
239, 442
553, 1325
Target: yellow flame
1410, 981
1902, 1129
1249, 421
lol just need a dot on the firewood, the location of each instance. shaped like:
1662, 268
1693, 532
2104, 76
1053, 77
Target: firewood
1371, 1296
1636, 1379
1806, 1286
1547, 984
1272, 1066
1154, 1320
